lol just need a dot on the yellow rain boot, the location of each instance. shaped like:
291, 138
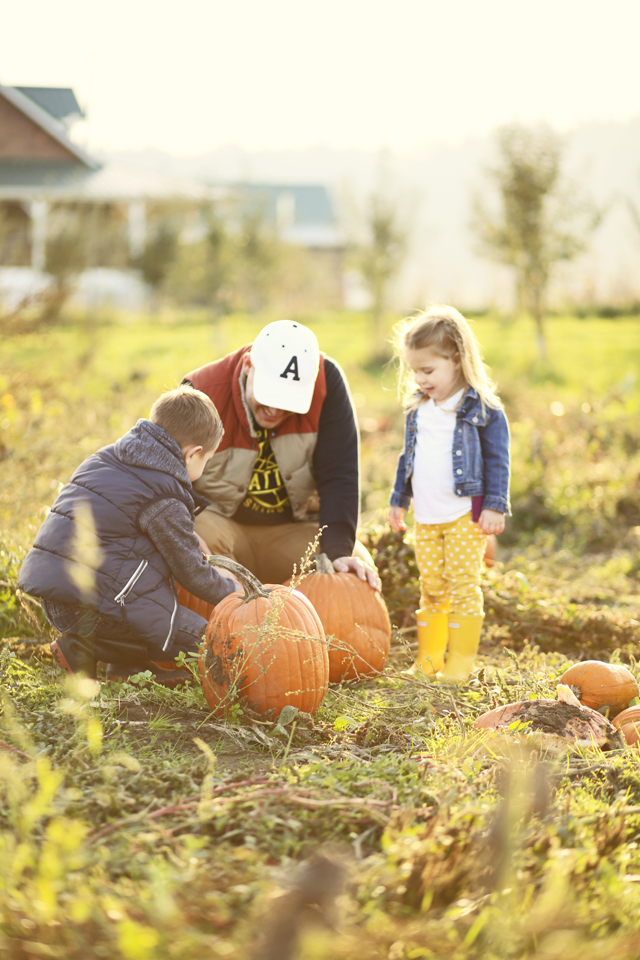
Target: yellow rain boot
464, 638
432, 642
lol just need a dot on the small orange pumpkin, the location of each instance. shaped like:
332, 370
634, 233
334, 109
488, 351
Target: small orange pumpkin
629, 722
631, 733
265, 647
601, 685
355, 620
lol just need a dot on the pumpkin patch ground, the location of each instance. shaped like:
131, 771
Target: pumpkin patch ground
138, 823
389, 779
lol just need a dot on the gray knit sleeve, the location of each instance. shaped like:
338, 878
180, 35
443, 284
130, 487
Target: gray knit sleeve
169, 525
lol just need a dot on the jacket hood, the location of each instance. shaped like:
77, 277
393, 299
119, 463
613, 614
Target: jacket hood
148, 445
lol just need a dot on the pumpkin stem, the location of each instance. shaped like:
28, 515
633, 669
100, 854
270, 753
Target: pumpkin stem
323, 564
250, 584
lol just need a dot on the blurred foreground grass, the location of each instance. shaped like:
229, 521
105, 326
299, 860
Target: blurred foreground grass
134, 825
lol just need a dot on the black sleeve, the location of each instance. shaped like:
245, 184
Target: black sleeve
336, 466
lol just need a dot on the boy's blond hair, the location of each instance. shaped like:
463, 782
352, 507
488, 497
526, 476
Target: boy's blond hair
190, 417
445, 331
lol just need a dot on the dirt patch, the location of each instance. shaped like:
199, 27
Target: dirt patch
146, 726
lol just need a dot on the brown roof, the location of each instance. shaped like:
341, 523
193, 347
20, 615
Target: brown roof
29, 133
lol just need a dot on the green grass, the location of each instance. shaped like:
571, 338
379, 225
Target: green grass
135, 825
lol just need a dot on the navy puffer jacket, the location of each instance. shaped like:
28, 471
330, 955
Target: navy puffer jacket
90, 549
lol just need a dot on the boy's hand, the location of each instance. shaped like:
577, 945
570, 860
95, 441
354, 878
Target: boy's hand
491, 521
395, 518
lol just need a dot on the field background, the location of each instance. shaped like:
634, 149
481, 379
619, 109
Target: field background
134, 826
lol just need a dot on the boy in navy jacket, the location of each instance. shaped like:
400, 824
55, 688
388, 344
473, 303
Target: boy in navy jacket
105, 560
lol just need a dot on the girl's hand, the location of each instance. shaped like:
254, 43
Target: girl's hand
491, 521
395, 518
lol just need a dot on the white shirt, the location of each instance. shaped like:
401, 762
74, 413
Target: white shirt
433, 498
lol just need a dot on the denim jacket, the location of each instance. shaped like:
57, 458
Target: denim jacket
480, 456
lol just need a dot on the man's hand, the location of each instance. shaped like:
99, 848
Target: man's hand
353, 565
395, 518
491, 521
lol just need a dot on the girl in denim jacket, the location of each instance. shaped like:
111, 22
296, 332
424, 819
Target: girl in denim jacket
455, 468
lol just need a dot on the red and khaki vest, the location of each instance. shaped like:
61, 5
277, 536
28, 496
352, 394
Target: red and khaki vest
227, 476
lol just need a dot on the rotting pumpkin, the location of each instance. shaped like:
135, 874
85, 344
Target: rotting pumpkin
265, 647
355, 620
602, 686
555, 724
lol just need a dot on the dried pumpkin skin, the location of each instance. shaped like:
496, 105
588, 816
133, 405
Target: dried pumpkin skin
265, 647
601, 685
355, 615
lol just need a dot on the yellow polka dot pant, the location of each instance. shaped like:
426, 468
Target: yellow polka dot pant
449, 557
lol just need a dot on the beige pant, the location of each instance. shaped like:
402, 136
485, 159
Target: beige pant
268, 552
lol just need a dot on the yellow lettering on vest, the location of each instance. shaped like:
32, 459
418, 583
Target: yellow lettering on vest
255, 482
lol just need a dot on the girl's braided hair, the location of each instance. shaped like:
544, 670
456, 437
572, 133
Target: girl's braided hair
445, 331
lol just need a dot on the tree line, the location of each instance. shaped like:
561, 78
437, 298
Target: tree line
227, 256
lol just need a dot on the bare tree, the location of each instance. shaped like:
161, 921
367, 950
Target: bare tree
201, 270
156, 258
258, 252
634, 212
538, 221
380, 230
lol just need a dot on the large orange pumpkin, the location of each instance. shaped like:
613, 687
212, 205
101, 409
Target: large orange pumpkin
601, 686
191, 602
355, 621
265, 647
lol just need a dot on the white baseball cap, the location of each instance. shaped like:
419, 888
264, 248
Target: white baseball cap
286, 358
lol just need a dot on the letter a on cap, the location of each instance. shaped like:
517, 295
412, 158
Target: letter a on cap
292, 367
285, 360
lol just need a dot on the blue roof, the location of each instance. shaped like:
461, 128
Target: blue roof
311, 202
59, 102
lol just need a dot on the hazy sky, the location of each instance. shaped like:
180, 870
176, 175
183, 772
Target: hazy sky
187, 76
